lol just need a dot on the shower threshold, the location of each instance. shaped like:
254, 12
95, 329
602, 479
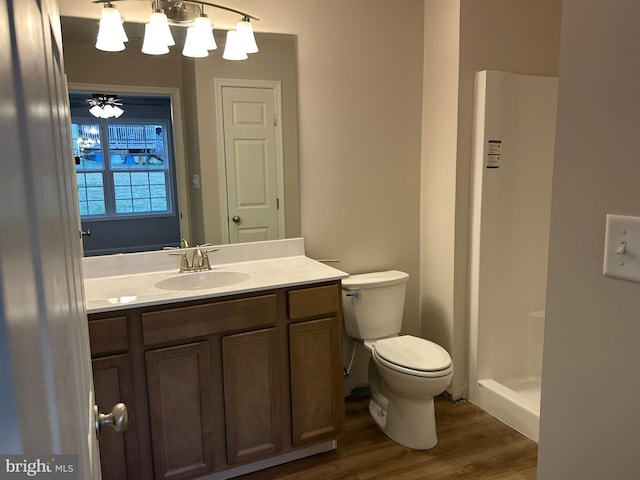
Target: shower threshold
519, 409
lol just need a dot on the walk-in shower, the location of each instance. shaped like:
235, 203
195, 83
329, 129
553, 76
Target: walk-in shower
514, 135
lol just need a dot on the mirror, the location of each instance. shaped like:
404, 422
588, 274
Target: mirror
191, 83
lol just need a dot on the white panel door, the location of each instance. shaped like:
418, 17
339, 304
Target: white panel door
250, 161
46, 383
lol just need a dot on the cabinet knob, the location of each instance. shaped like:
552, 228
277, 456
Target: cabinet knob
118, 418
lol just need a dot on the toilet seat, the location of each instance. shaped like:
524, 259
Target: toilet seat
413, 355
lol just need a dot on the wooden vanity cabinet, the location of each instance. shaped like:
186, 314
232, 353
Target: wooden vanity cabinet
222, 382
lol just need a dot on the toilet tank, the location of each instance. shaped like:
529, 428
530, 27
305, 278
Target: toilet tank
376, 311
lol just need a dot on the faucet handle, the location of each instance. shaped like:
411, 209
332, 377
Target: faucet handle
206, 263
184, 261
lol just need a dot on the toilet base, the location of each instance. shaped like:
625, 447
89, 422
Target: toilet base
408, 421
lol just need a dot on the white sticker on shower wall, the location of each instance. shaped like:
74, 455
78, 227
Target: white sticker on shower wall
494, 153
622, 248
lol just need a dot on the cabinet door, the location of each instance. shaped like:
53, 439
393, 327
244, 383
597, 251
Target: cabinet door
180, 408
251, 373
118, 451
317, 402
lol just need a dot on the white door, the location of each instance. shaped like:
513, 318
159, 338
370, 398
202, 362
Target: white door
46, 387
250, 157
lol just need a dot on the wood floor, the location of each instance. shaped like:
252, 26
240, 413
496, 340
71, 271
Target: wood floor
471, 445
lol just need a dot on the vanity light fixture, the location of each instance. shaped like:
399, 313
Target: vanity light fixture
158, 38
157, 34
111, 34
105, 106
233, 48
245, 34
199, 38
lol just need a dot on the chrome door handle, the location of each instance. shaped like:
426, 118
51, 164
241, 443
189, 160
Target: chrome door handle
85, 233
118, 418
236, 219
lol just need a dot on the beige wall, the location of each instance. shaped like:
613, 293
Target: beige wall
192, 150
517, 37
590, 420
84, 64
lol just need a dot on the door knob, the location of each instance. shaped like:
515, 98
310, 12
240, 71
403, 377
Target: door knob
118, 418
236, 219
85, 233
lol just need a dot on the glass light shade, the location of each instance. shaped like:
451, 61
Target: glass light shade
160, 26
234, 50
247, 39
107, 111
204, 28
107, 44
194, 47
111, 34
96, 111
154, 43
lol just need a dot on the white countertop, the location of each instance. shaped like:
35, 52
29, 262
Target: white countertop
137, 286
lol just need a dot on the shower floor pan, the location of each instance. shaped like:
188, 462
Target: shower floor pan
515, 402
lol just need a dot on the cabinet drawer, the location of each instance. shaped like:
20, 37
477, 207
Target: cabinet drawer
108, 335
316, 301
211, 318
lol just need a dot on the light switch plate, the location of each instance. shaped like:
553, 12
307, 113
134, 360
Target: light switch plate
622, 248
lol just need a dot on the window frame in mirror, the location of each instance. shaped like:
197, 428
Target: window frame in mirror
178, 134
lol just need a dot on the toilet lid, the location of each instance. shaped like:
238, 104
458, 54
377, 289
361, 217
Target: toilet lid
374, 279
413, 353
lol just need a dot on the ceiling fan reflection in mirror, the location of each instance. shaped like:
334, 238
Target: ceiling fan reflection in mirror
105, 106
190, 14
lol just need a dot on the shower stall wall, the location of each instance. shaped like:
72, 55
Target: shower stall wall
514, 137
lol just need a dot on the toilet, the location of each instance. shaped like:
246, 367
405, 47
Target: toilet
405, 372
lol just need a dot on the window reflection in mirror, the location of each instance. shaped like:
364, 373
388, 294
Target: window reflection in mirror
125, 171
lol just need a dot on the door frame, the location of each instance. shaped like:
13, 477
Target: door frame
180, 157
47, 405
276, 87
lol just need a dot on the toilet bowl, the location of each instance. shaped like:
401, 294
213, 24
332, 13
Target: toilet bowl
405, 372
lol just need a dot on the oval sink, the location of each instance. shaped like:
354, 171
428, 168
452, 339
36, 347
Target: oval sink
202, 280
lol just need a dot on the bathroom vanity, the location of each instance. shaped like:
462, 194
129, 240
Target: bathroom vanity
219, 381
